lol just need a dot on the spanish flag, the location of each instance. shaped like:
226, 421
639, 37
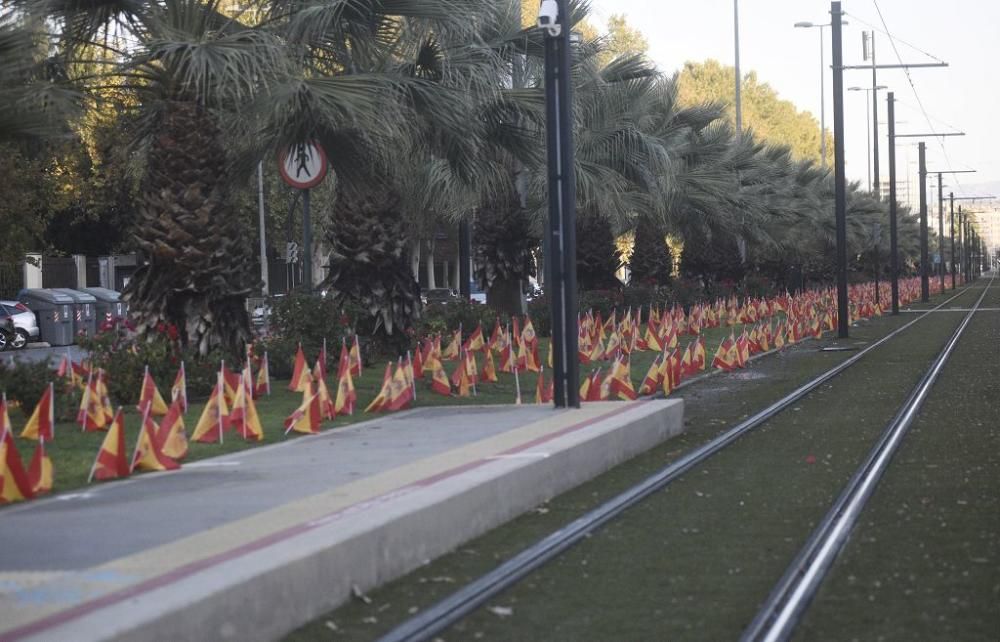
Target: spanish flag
91, 416
726, 357
40, 470
101, 387
651, 381
382, 398
306, 418
489, 369
150, 396
497, 335
452, 351
300, 373
263, 386
111, 462
14, 482
326, 406
439, 379
41, 424
400, 390
214, 417
179, 389
346, 394
462, 383
475, 341
621, 380
147, 454
243, 416
172, 435
543, 392
507, 358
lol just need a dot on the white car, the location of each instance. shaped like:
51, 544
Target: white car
25, 323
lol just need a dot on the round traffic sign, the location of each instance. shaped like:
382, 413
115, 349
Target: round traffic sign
303, 165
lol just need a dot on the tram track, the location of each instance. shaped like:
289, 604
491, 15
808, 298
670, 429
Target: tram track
461, 603
788, 601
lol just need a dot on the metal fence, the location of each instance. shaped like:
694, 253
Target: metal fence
58, 272
11, 280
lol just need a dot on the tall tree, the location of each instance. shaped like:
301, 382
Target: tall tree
771, 118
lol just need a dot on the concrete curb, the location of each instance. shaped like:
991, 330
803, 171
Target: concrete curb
285, 583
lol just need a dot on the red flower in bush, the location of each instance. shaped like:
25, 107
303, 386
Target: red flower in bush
344, 321
172, 332
129, 324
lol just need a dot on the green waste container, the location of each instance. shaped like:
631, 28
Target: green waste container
54, 311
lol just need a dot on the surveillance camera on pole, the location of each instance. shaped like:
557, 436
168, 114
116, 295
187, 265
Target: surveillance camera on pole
548, 18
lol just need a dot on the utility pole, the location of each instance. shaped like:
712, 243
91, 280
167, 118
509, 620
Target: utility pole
941, 230
893, 241
840, 175
925, 292
871, 47
265, 288
465, 259
951, 197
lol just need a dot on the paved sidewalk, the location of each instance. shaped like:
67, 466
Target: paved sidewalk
199, 551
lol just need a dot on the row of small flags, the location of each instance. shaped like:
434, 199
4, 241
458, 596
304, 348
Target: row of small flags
231, 406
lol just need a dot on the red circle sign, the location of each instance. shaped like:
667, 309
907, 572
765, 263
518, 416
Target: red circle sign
303, 165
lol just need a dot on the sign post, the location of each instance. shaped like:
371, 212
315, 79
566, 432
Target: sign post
304, 166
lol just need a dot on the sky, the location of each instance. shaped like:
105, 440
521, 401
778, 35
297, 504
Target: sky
965, 96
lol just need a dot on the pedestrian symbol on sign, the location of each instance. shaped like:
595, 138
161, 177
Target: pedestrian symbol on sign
303, 165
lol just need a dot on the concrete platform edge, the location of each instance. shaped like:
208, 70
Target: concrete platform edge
272, 591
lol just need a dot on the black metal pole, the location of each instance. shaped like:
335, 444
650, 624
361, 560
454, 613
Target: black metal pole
307, 255
553, 256
571, 362
465, 260
877, 296
951, 197
840, 176
961, 243
893, 243
878, 190
941, 230
561, 260
925, 290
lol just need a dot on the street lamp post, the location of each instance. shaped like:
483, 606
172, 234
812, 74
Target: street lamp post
553, 18
822, 82
868, 134
736, 38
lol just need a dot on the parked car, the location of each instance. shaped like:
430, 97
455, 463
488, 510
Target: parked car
439, 295
24, 321
6, 331
476, 295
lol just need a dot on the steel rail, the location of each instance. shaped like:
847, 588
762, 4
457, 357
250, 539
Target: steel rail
449, 610
791, 596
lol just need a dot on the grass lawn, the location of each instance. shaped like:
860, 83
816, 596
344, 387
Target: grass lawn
73, 451
694, 561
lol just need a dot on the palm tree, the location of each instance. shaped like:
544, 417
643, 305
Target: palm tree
271, 73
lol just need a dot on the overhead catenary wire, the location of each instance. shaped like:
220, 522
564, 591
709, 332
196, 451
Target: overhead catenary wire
913, 87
